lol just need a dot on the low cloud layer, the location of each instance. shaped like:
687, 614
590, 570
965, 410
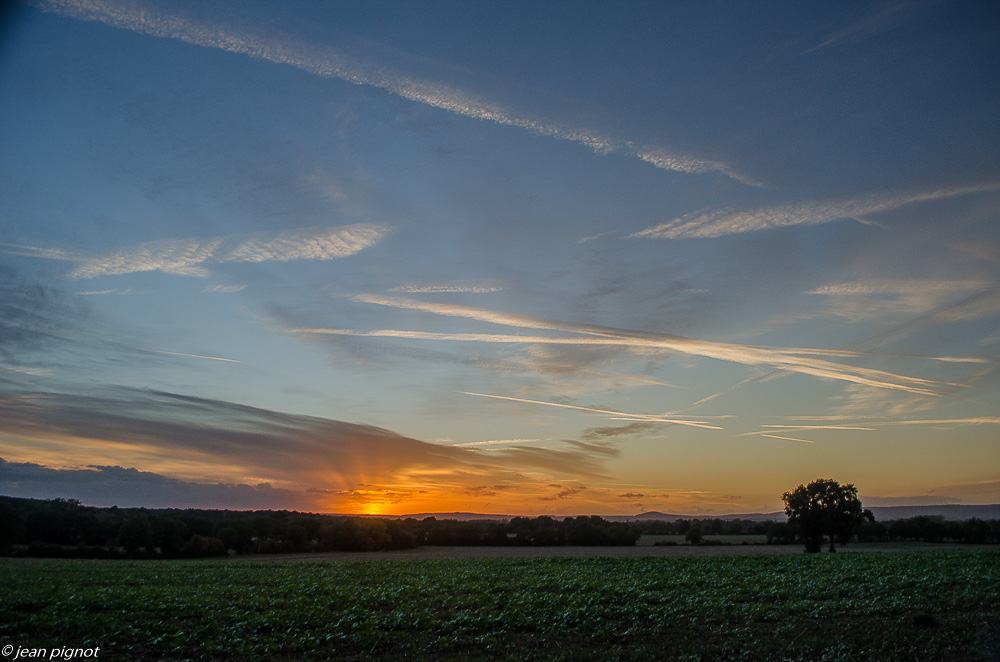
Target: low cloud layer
114, 485
212, 442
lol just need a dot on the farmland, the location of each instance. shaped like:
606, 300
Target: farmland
887, 606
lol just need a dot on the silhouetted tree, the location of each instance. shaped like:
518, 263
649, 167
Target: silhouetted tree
136, 533
694, 534
824, 506
780, 533
169, 534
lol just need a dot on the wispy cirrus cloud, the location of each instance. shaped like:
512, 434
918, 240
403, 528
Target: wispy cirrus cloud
848, 422
800, 360
882, 19
721, 222
191, 257
481, 287
497, 442
225, 289
118, 291
39, 252
371, 69
876, 296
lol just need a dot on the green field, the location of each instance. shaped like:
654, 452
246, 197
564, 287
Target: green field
861, 606
679, 539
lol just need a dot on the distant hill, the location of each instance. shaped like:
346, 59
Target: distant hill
656, 515
462, 517
882, 514
950, 512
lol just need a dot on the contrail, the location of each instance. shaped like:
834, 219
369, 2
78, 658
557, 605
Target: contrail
617, 414
190, 356
328, 62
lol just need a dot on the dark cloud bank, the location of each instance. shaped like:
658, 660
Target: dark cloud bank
113, 486
318, 457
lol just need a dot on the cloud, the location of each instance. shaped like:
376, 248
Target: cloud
32, 314
977, 306
567, 492
498, 442
370, 69
614, 414
87, 293
372, 495
209, 441
874, 422
722, 222
225, 289
484, 287
190, 356
594, 434
882, 19
771, 430
799, 360
487, 490
950, 422
188, 257
42, 253
877, 296
114, 485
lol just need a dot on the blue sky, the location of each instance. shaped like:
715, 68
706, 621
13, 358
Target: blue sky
514, 257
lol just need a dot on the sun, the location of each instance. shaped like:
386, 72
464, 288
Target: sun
371, 508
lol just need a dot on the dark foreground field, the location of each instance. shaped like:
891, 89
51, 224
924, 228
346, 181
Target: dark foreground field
860, 606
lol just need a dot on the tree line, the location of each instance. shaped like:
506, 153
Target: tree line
66, 528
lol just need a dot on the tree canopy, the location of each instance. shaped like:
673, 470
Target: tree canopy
824, 507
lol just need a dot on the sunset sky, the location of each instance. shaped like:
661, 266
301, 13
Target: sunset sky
512, 257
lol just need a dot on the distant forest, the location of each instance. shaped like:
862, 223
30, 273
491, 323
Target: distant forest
65, 528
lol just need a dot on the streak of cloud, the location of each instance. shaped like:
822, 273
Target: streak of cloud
39, 252
616, 342
878, 422
878, 296
979, 420
329, 62
617, 414
90, 293
772, 429
817, 427
639, 427
977, 306
793, 360
225, 289
190, 356
453, 288
497, 442
886, 18
774, 436
722, 222
188, 257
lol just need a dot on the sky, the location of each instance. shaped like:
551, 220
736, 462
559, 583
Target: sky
499, 257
